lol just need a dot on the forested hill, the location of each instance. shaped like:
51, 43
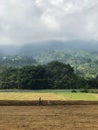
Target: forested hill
54, 75
84, 62
81, 55
16, 61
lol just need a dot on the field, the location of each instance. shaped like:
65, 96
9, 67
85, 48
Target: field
47, 95
19, 112
68, 117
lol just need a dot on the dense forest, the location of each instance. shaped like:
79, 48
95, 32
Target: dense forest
84, 62
50, 65
54, 75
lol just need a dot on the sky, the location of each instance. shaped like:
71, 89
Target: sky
26, 21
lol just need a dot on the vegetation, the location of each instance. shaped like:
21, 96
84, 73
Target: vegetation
80, 96
16, 61
47, 95
54, 75
26, 96
85, 62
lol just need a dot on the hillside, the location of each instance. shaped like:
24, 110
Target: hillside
85, 62
82, 55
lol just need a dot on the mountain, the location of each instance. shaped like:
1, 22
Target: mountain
37, 48
81, 55
34, 48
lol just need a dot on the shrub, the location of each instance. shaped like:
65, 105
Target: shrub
84, 90
74, 91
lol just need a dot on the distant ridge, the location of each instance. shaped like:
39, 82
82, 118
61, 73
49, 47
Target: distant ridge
38, 47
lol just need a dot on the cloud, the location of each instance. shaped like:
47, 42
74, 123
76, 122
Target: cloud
23, 21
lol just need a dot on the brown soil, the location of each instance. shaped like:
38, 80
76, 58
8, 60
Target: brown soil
56, 117
45, 102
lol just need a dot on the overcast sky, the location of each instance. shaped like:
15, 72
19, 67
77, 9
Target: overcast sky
25, 21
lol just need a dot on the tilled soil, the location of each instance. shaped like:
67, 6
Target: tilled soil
51, 117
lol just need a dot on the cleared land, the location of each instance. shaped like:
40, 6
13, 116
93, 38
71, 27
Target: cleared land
68, 117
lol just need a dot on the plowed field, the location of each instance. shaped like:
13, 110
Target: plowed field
53, 117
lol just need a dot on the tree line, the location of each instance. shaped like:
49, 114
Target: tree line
54, 75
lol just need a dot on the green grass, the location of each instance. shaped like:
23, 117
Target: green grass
79, 96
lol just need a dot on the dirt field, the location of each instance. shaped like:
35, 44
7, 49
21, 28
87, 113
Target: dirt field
64, 117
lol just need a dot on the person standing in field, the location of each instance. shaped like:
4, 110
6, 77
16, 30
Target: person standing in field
40, 101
